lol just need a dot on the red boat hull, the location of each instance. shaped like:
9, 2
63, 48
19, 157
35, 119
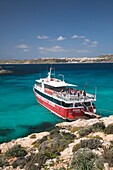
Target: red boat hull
63, 112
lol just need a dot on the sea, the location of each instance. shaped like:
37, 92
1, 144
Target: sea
21, 114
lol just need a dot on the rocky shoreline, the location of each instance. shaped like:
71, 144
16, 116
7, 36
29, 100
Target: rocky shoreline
108, 58
60, 148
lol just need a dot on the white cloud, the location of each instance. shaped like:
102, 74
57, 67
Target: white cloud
87, 40
94, 43
23, 46
42, 37
60, 38
74, 36
84, 43
54, 49
26, 50
78, 36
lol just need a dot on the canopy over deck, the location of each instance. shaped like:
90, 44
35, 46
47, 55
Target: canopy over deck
55, 83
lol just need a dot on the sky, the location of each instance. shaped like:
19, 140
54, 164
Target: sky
31, 29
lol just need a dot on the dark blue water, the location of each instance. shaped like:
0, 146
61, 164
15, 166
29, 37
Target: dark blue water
20, 114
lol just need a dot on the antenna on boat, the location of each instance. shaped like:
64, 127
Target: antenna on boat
54, 71
95, 92
85, 86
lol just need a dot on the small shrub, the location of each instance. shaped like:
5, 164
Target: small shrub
63, 143
54, 133
99, 126
97, 137
50, 155
55, 146
49, 147
21, 162
108, 156
85, 131
37, 143
75, 129
37, 161
16, 151
76, 147
99, 163
85, 159
68, 136
90, 143
109, 129
3, 161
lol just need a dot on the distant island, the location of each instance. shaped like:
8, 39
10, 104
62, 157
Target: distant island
99, 59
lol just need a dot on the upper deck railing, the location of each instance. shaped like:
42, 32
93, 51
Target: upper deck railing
75, 97
68, 95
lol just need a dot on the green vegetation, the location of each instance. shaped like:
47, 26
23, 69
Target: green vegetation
3, 161
76, 147
75, 129
97, 137
37, 161
109, 129
39, 141
108, 155
49, 147
85, 159
91, 143
21, 162
43, 151
85, 131
16, 151
99, 126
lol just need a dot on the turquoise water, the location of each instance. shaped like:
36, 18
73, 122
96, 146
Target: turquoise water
20, 114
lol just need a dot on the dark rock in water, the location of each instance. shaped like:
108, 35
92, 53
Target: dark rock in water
44, 126
5, 71
5, 132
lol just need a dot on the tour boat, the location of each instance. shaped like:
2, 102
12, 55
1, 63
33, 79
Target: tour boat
64, 99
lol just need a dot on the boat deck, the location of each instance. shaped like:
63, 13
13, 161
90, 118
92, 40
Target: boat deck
68, 96
75, 97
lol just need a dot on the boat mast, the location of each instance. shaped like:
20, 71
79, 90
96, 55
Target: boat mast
49, 74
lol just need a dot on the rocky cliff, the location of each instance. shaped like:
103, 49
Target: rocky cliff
78, 145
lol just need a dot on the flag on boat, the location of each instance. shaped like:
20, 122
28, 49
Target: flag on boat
51, 68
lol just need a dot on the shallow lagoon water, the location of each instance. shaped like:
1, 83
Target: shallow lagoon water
20, 114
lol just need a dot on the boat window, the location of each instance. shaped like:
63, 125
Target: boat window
48, 87
58, 89
67, 104
38, 84
78, 104
93, 104
87, 103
